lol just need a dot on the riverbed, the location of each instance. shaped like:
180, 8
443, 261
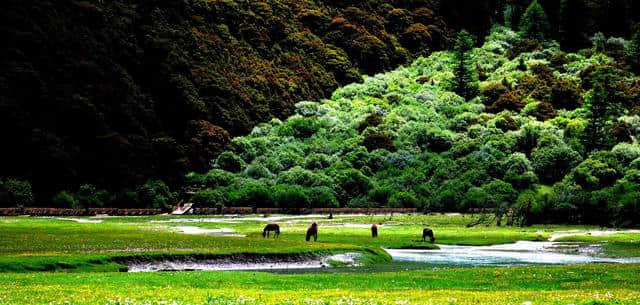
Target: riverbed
516, 254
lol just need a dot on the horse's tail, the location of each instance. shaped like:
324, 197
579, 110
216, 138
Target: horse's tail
277, 230
264, 233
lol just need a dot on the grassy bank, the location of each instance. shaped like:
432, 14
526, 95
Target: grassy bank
606, 284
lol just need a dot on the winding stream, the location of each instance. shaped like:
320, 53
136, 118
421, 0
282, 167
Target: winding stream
519, 253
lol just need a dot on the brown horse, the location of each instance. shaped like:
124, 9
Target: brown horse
428, 232
271, 227
374, 231
312, 231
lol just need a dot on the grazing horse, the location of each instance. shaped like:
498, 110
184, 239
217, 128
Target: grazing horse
428, 232
374, 231
271, 227
312, 231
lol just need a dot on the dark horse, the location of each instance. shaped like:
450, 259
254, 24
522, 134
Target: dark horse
312, 231
428, 232
271, 227
374, 231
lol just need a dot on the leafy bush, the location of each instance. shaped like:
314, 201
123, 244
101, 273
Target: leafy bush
65, 200
378, 141
403, 200
552, 163
433, 139
506, 101
291, 196
211, 198
14, 193
381, 195
229, 161
300, 127
89, 196
154, 194
252, 195
322, 197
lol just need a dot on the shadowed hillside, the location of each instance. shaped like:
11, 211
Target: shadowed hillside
115, 92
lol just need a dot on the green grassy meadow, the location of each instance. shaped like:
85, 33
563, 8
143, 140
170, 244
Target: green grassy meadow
62, 261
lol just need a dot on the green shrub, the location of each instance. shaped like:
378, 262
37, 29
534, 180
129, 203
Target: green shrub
371, 120
15, 193
380, 195
403, 200
89, 196
291, 196
252, 195
153, 194
300, 127
65, 200
217, 178
211, 198
257, 171
230, 162
322, 197
506, 101
353, 183
552, 163
375, 141
433, 139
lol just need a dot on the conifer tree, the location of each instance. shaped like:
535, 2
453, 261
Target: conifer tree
534, 23
508, 15
599, 42
633, 50
465, 82
605, 103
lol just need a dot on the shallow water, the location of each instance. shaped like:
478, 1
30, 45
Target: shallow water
213, 232
241, 219
519, 253
254, 264
79, 220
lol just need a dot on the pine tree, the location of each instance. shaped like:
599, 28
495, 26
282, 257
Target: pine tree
534, 23
465, 82
508, 15
599, 42
633, 50
605, 103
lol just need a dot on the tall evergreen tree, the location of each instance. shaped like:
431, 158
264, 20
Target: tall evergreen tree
633, 51
605, 103
534, 23
465, 82
509, 15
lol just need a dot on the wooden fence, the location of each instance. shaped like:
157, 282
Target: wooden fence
199, 211
77, 212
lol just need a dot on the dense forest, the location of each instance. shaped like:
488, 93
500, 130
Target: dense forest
114, 102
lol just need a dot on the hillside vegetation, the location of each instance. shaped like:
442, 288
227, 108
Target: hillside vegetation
115, 101
115, 92
550, 136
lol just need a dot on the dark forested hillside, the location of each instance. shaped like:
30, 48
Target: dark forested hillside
116, 92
